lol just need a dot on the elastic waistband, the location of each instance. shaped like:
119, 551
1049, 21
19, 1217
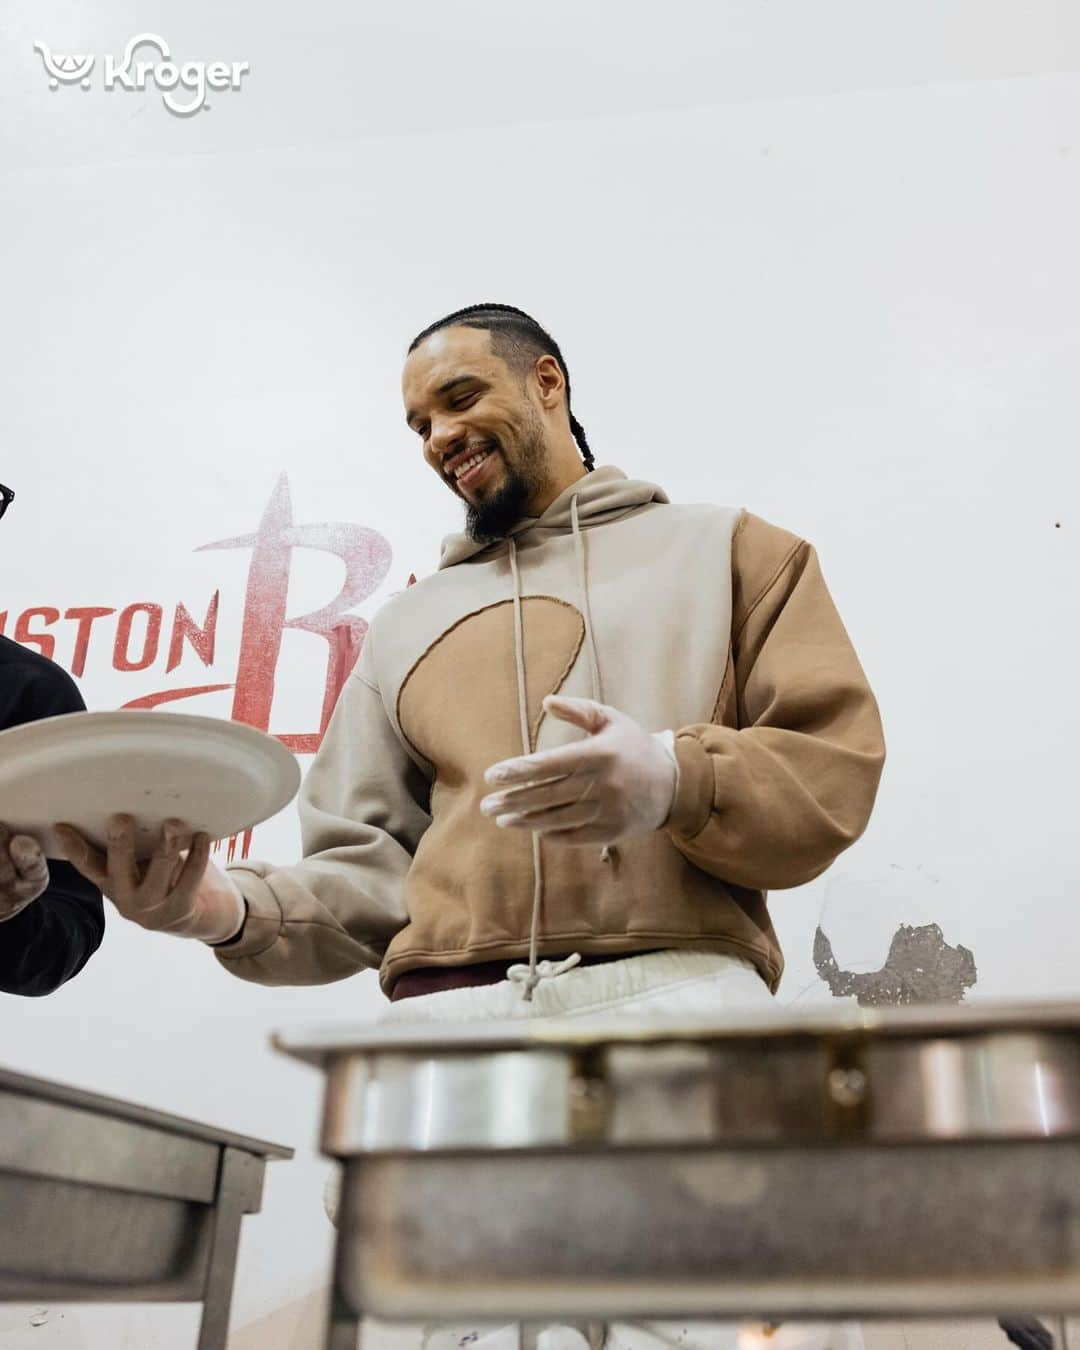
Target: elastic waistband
437, 979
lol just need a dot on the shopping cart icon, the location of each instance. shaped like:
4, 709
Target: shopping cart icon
65, 69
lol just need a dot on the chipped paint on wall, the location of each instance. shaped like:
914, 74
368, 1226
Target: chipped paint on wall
921, 967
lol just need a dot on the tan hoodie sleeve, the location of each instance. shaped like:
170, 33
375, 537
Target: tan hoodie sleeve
363, 808
784, 778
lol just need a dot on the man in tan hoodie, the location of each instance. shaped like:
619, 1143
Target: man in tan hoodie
569, 765
596, 737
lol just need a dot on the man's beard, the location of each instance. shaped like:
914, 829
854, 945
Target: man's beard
497, 513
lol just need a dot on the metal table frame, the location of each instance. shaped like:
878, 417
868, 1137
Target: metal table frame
106, 1201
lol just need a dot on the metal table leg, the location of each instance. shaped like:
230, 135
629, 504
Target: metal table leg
343, 1332
343, 1322
238, 1173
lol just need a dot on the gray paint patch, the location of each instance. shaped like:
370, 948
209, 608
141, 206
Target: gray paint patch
921, 968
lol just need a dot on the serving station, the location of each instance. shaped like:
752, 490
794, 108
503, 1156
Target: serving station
846, 1163
105, 1201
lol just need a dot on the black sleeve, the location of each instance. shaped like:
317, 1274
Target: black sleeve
51, 940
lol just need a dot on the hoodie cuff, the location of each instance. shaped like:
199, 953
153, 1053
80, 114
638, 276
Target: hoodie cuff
262, 924
694, 796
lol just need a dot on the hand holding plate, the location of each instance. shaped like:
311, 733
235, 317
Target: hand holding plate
176, 890
24, 873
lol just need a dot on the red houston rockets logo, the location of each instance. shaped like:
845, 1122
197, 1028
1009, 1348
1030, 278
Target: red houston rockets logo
142, 629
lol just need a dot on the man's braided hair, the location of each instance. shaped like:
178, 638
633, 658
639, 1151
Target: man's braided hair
518, 340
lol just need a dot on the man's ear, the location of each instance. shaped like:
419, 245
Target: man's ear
550, 379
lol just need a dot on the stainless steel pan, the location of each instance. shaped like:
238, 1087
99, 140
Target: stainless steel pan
849, 1162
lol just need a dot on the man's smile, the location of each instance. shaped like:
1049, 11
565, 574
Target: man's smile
467, 470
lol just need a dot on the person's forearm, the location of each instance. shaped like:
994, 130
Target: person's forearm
769, 809
316, 922
362, 817
50, 941
785, 777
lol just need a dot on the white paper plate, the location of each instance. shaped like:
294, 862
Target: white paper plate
219, 776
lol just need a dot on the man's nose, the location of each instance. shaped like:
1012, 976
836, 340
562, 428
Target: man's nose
447, 437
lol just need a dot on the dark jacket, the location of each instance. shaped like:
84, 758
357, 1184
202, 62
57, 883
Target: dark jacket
51, 940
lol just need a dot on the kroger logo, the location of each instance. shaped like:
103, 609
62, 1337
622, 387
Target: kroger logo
183, 86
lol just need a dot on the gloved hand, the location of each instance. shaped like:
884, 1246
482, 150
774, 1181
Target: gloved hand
24, 873
616, 783
177, 891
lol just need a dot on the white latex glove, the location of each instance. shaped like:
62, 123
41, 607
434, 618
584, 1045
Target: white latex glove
177, 891
616, 783
24, 873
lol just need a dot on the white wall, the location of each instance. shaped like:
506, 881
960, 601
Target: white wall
855, 314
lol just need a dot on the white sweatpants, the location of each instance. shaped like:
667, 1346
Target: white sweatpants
667, 984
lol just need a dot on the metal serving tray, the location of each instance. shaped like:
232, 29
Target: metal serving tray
846, 1163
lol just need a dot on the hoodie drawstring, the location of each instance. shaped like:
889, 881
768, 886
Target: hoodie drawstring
586, 611
531, 975
606, 852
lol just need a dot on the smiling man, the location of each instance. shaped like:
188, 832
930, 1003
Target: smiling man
502, 459
570, 765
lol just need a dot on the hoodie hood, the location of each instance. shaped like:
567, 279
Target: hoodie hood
602, 495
